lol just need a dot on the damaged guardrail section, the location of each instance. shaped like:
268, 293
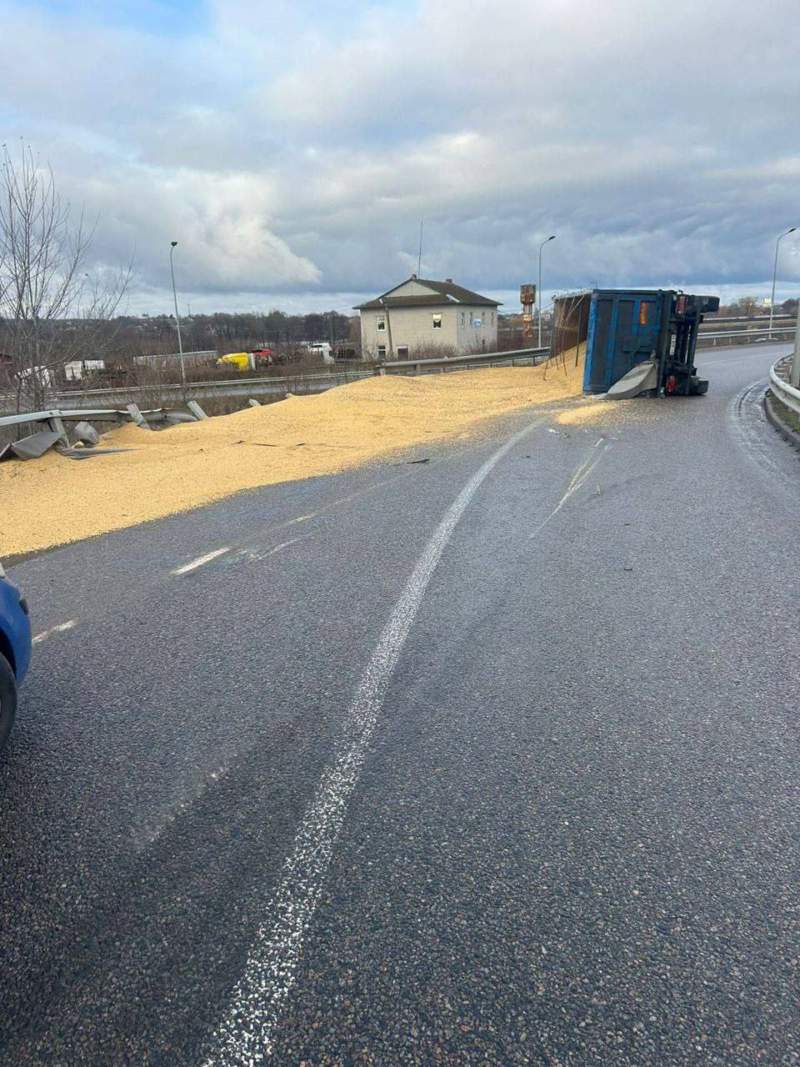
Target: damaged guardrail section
79, 442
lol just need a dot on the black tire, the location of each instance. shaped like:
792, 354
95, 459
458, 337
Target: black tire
8, 700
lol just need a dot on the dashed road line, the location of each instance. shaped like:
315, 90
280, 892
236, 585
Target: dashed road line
60, 629
253, 555
245, 1036
201, 561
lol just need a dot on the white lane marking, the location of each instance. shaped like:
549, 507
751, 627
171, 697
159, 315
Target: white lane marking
201, 561
578, 479
285, 544
244, 1038
345, 499
60, 629
254, 555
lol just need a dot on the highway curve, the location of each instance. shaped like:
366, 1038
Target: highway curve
489, 758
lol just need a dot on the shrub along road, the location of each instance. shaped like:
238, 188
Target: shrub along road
487, 759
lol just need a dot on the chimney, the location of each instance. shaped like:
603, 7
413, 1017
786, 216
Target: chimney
449, 281
413, 275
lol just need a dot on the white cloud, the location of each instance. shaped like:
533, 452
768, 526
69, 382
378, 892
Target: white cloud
293, 147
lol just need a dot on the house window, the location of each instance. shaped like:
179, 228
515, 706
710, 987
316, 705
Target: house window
381, 322
381, 351
402, 351
437, 322
492, 318
462, 318
476, 322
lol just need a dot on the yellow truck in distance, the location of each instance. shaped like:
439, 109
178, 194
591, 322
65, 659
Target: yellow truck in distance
244, 361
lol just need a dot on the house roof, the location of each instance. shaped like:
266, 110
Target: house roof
444, 294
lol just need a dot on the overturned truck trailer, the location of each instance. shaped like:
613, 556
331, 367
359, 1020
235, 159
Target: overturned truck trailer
642, 341
570, 322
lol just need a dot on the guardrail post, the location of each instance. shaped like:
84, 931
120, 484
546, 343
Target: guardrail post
137, 416
57, 426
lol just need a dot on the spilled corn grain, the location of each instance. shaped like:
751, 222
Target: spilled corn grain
54, 500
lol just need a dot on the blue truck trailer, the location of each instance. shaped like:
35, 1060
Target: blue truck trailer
643, 341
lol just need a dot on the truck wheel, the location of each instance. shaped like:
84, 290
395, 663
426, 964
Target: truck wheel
698, 386
8, 700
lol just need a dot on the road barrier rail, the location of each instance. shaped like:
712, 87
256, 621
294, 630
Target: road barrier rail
267, 385
780, 385
478, 359
755, 335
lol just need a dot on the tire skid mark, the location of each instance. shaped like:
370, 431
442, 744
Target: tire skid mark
244, 1037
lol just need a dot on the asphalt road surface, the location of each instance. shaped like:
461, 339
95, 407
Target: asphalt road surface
490, 759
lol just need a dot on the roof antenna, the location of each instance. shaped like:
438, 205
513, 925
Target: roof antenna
419, 258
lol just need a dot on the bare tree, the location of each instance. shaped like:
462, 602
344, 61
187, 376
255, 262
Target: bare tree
746, 305
49, 307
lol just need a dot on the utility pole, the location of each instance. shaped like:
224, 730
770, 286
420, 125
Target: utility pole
775, 275
172, 246
794, 377
419, 257
552, 237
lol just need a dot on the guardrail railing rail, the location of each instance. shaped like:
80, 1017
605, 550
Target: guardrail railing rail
779, 383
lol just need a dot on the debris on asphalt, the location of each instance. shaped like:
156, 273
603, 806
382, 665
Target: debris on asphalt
185, 466
594, 409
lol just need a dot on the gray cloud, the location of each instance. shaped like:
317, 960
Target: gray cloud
292, 148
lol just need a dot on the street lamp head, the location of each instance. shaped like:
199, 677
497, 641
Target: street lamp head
552, 237
173, 243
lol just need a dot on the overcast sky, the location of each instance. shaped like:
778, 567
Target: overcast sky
292, 147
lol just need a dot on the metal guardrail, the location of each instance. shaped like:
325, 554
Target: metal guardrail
751, 335
56, 413
786, 393
265, 385
478, 359
172, 391
745, 319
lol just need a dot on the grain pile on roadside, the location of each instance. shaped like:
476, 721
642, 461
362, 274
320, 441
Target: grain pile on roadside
54, 500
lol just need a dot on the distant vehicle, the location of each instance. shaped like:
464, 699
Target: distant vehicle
77, 369
42, 375
244, 361
321, 348
264, 355
15, 651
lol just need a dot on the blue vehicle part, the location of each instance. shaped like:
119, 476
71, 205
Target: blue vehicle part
625, 326
630, 326
15, 628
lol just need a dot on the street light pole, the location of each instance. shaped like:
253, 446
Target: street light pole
775, 275
794, 376
552, 237
172, 246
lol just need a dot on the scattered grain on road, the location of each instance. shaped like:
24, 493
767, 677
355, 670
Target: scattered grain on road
588, 412
54, 500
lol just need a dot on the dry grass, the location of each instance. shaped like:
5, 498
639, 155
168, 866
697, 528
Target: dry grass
55, 500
